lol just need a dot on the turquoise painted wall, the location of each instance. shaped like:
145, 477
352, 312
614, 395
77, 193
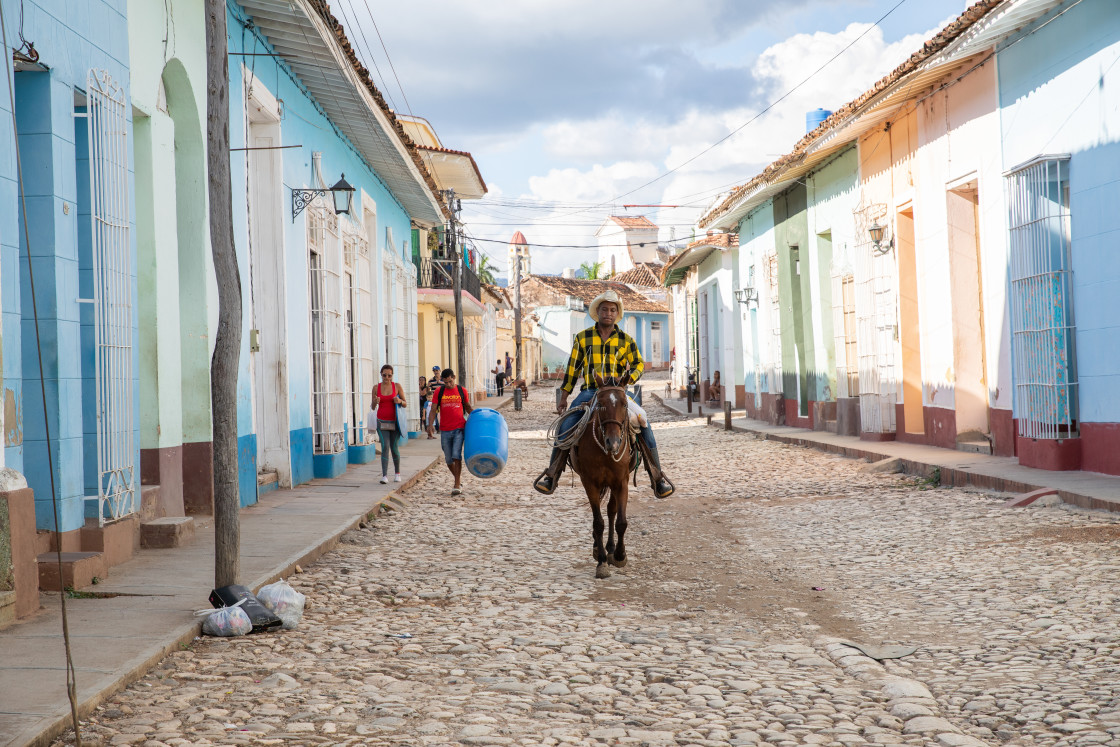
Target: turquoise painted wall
304, 124
71, 39
1059, 92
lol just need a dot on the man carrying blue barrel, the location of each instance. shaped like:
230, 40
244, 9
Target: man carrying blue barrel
451, 403
604, 349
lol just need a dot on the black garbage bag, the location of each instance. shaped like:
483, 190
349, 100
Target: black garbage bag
259, 615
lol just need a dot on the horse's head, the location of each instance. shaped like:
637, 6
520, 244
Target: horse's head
613, 411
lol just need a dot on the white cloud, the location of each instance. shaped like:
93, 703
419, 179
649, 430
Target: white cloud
620, 150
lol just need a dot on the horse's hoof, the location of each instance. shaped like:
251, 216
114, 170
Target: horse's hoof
601, 571
617, 562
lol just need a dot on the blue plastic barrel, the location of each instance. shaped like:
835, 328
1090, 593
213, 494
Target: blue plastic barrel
485, 442
815, 117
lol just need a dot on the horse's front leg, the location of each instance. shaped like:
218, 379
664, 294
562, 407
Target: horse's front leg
612, 509
600, 553
619, 499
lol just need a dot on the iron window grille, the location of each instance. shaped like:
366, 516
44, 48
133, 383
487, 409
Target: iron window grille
1043, 345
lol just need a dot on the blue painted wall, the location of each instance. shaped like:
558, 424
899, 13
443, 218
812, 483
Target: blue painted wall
72, 39
303, 124
1059, 91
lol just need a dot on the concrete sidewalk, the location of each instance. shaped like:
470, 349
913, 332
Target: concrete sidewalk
960, 468
116, 639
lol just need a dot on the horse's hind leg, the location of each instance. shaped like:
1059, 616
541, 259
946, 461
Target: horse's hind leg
600, 553
619, 501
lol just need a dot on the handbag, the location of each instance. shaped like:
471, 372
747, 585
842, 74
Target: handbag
386, 425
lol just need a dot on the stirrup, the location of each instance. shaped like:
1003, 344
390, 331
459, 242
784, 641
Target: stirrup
540, 489
672, 488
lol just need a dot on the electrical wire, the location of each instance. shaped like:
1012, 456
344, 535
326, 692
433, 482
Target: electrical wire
764, 110
71, 671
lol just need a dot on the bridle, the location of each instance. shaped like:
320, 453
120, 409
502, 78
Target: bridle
599, 434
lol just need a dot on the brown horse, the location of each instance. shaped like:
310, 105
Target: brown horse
602, 458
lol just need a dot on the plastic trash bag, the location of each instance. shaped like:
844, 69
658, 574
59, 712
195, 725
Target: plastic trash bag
226, 621
284, 602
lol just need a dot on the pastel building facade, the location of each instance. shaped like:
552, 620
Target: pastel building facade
76, 244
941, 297
329, 296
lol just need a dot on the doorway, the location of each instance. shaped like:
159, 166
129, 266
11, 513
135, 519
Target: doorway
909, 327
268, 358
970, 387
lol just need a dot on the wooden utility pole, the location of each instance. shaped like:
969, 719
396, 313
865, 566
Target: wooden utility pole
457, 285
517, 314
227, 343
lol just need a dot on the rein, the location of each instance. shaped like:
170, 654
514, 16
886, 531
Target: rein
599, 434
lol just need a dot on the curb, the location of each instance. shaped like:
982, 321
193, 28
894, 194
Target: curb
185, 634
957, 477
911, 703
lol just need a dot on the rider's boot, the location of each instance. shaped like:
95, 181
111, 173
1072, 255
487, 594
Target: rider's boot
550, 478
662, 486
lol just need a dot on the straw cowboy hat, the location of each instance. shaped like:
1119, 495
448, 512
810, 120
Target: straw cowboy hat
609, 296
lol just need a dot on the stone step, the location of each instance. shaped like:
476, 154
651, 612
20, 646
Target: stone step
167, 532
150, 503
116, 540
79, 569
7, 607
267, 481
974, 443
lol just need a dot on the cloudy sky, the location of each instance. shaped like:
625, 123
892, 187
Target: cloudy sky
574, 108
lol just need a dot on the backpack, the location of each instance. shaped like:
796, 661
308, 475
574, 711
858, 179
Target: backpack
462, 394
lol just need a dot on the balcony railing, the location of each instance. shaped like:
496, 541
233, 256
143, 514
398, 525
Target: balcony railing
436, 273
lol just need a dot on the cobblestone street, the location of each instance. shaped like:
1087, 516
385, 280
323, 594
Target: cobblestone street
477, 619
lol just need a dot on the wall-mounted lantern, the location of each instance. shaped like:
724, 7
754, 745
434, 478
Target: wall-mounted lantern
877, 232
747, 295
342, 194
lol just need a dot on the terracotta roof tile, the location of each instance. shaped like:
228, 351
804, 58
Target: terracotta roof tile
942, 39
644, 274
587, 290
322, 7
635, 221
459, 153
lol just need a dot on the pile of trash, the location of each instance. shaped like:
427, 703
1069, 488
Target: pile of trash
237, 611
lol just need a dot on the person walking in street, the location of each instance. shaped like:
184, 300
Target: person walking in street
499, 376
387, 395
452, 404
425, 400
509, 367
606, 350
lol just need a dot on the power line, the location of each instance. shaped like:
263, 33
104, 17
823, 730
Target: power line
767, 108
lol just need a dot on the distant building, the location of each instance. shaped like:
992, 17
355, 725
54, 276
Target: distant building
518, 251
625, 241
561, 305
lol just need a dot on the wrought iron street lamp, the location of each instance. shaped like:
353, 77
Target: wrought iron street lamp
747, 295
876, 232
342, 193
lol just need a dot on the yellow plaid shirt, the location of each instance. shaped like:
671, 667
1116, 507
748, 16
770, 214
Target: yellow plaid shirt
610, 357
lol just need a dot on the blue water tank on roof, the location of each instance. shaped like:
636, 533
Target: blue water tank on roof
815, 117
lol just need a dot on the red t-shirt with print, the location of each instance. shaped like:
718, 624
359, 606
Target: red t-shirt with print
450, 405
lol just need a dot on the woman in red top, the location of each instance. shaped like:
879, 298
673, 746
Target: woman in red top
388, 395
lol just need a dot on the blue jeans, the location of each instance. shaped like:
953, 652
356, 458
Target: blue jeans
571, 418
389, 443
452, 443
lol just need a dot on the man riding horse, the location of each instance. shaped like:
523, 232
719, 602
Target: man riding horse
604, 349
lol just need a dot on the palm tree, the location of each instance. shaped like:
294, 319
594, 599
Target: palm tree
592, 270
486, 270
